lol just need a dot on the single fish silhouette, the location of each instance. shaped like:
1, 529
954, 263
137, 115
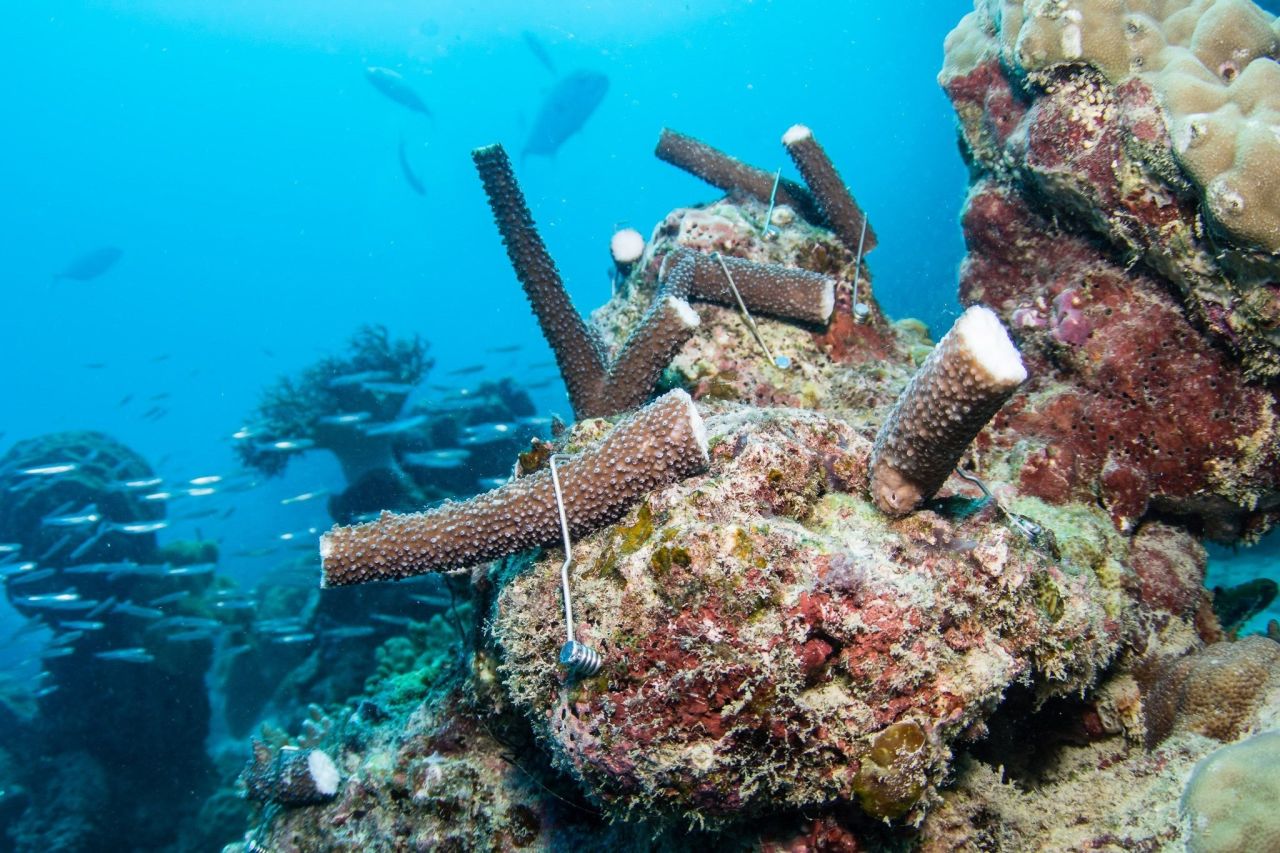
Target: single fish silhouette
92, 264
414, 182
395, 87
564, 111
539, 50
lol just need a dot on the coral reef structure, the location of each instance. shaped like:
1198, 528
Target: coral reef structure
1032, 662
1229, 804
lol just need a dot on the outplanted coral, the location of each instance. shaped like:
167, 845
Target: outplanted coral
290, 776
969, 375
841, 212
782, 663
596, 387
770, 643
774, 290
659, 444
732, 175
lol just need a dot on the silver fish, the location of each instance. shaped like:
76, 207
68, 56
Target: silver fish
53, 469
360, 378
394, 427
135, 654
444, 459
344, 418
305, 496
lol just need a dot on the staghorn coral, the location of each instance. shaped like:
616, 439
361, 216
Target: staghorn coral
969, 375
783, 664
732, 175
774, 290
1103, 147
838, 206
596, 387
657, 445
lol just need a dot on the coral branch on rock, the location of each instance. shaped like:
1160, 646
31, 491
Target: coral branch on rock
596, 389
290, 776
732, 175
842, 213
969, 375
658, 445
774, 290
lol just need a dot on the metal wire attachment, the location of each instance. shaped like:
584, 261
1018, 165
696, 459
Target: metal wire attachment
769, 232
861, 310
581, 660
1040, 537
781, 361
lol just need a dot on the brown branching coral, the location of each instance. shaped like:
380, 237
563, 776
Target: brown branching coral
959, 388
596, 388
732, 175
846, 219
658, 445
771, 289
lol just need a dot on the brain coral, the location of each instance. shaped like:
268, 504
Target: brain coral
1229, 803
1211, 62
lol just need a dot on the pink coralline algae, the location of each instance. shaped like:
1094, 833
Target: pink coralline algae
1148, 342
787, 666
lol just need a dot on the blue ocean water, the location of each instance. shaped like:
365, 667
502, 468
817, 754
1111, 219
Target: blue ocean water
248, 172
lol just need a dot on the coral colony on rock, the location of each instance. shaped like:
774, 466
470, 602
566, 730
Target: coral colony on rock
796, 577
810, 635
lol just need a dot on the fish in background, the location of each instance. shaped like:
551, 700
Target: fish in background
539, 51
406, 169
91, 264
394, 86
564, 111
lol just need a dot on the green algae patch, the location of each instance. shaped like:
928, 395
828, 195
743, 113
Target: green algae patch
891, 779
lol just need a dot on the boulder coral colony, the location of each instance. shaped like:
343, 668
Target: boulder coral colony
811, 637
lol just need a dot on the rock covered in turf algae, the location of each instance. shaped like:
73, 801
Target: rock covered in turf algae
770, 642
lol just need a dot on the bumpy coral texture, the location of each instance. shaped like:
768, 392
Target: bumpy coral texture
947, 403
769, 642
1211, 63
841, 211
596, 388
732, 175
1141, 159
1229, 804
1213, 692
770, 289
654, 447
